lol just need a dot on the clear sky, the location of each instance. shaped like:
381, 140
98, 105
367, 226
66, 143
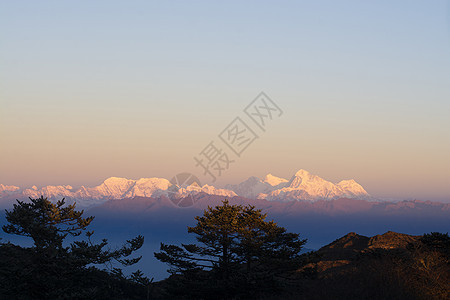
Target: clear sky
93, 89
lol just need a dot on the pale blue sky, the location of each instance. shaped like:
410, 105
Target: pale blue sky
92, 89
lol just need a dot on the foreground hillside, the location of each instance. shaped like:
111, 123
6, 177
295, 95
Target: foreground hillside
387, 266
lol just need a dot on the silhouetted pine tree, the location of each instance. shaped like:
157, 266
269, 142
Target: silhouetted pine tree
238, 253
52, 270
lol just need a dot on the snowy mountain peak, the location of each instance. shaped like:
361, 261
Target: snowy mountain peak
302, 186
274, 180
304, 178
250, 188
195, 185
115, 187
111, 181
302, 173
154, 181
8, 188
306, 186
145, 187
353, 186
207, 189
348, 182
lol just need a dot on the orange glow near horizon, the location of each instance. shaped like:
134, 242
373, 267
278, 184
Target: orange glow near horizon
362, 99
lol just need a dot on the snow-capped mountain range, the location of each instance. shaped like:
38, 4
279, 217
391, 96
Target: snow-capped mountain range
302, 186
